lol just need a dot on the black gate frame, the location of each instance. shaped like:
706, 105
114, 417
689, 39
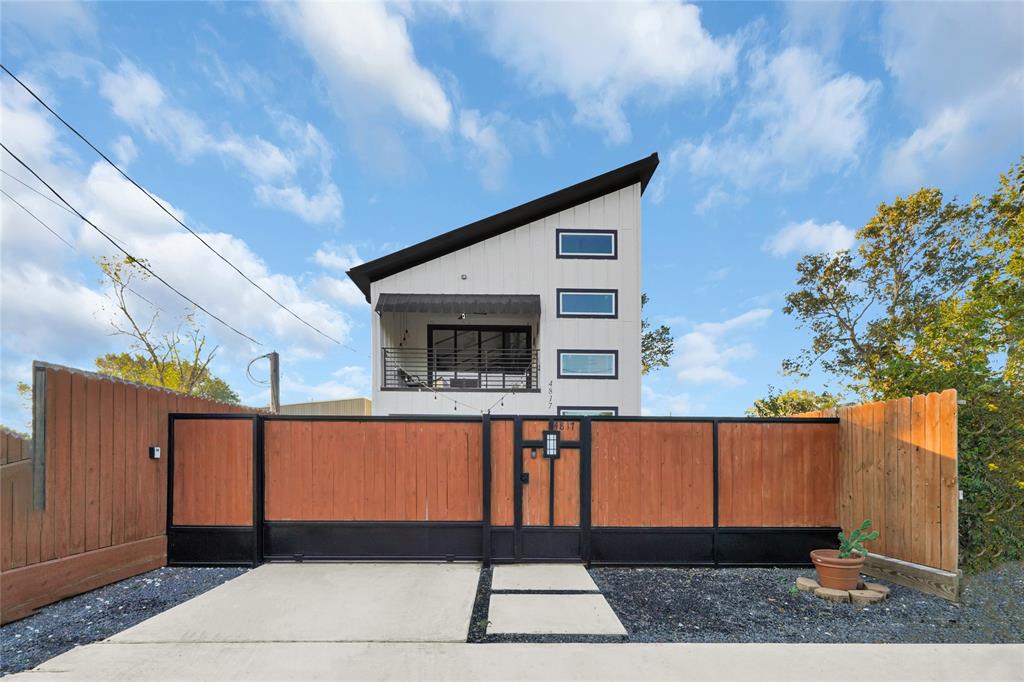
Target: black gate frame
479, 540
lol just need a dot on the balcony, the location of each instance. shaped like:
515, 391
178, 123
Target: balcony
419, 369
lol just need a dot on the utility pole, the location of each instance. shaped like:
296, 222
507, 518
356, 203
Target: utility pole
275, 382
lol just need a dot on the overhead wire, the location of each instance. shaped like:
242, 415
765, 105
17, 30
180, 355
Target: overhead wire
69, 244
168, 212
138, 261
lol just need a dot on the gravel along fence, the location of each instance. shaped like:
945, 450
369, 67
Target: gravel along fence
761, 605
101, 613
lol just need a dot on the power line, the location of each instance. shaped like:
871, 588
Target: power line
141, 263
38, 220
33, 189
69, 244
164, 208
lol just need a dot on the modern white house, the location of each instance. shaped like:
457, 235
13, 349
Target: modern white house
535, 310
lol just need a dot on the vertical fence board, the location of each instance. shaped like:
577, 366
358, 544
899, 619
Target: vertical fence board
117, 503
501, 473
77, 508
933, 511
949, 495
106, 464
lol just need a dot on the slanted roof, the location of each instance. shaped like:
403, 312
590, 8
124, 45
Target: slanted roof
435, 247
494, 304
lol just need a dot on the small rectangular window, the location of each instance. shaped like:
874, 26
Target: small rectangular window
588, 411
586, 243
588, 303
588, 364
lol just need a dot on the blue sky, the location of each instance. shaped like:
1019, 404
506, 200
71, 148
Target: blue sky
302, 139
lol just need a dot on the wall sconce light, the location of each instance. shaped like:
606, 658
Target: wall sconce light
551, 444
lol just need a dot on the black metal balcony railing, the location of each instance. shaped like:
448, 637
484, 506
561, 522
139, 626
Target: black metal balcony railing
459, 370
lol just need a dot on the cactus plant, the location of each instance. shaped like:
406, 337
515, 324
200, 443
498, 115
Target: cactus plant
855, 541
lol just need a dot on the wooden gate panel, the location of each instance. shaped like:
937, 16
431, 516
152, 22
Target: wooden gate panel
212, 472
373, 471
502, 472
567, 488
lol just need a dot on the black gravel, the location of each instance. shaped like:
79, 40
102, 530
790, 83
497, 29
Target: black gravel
101, 613
761, 605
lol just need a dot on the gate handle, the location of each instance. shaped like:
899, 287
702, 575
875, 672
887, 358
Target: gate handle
524, 477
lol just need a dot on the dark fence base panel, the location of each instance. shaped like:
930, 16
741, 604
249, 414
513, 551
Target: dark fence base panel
211, 546
359, 540
657, 546
503, 543
773, 546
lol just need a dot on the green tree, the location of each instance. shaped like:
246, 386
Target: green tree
794, 401
656, 344
933, 298
183, 376
178, 359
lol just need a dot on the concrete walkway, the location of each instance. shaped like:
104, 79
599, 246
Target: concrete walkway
322, 661
324, 602
548, 599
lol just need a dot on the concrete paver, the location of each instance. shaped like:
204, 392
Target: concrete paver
324, 602
384, 661
542, 577
545, 614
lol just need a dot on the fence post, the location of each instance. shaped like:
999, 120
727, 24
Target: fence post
714, 490
585, 489
486, 490
258, 483
38, 437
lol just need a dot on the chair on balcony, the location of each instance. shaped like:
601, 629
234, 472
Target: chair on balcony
411, 381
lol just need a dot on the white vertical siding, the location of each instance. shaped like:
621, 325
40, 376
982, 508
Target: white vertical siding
523, 261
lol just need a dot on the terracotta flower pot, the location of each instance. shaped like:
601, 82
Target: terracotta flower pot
836, 573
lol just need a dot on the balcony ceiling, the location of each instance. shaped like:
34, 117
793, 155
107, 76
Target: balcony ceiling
495, 304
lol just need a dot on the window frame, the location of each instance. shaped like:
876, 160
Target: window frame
588, 408
586, 256
587, 351
480, 328
583, 316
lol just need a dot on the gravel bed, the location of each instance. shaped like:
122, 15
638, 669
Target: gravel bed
101, 613
761, 605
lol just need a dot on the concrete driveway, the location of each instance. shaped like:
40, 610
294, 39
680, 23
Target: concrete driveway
324, 602
410, 621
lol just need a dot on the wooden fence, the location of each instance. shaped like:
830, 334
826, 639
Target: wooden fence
898, 467
105, 499
618, 490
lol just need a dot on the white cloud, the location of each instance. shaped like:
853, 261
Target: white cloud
139, 99
52, 22
959, 69
51, 314
717, 275
337, 256
603, 55
125, 150
654, 403
800, 118
344, 291
364, 51
347, 382
810, 237
323, 207
704, 354
489, 151
45, 311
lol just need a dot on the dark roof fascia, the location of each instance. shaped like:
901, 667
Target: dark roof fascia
467, 235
